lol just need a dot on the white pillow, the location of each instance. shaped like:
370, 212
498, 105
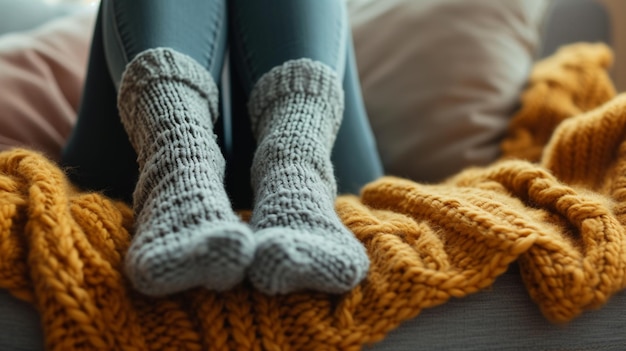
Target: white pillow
441, 78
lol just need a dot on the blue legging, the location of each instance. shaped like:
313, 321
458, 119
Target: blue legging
258, 35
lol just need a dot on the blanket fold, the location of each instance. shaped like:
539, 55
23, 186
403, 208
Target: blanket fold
555, 203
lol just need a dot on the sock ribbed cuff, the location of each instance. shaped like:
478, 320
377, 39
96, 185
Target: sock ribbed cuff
162, 65
305, 77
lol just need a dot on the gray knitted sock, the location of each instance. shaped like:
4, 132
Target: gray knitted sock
186, 232
296, 110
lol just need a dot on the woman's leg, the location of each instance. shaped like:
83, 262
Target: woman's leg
291, 56
98, 155
165, 57
196, 28
354, 156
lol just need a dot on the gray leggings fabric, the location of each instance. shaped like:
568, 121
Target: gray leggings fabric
250, 37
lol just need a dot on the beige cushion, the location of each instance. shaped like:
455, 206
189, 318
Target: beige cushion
41, 75
441, 78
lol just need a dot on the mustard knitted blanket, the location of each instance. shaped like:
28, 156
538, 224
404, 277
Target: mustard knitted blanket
560, 213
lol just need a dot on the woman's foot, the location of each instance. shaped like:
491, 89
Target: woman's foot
296, 111
186, 233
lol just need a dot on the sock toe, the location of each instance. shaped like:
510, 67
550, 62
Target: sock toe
231, 251
289, 260
215, 256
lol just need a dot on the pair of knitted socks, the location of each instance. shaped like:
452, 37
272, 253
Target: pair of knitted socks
187, 234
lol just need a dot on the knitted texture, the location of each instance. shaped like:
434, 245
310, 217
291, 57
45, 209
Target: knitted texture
186, 232
63, 250
562, 86
295, 112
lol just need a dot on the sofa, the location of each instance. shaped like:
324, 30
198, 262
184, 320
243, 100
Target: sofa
501, 317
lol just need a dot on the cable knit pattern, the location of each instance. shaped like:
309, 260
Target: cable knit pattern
63, 251
295, 111
186, 233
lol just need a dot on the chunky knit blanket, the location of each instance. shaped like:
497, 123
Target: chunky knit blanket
556, 204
